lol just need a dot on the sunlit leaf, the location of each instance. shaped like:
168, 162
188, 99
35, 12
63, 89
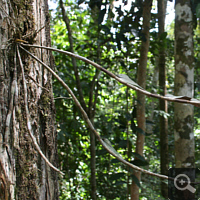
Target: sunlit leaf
178, 97
182, 97
109, 145
126, 79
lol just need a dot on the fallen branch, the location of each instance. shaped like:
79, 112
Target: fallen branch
132, 84
28, 118
105, 144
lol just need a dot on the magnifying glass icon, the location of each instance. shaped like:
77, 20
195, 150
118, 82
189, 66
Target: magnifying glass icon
182, 181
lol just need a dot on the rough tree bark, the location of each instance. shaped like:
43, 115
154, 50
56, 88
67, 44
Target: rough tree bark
23, 173
141, 79
184, 85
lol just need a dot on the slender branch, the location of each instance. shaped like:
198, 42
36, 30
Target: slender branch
95, 100
61, 98
179, 100
105, 144
78, 82
28, 117
92, 87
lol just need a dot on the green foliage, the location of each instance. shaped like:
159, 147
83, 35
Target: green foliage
113, 41
198, 10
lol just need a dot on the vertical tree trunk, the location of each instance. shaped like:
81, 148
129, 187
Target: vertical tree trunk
70, 37
164, 157
23, 173
91, 107
95, 9
184, 85
141, 76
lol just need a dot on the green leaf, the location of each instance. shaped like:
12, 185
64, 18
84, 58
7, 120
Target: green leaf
118, 40
182, 97
122, 64
126, 79
109, 145
61, 137
136, 129
163, 35
120, 183
101, 152
115, 161
139, 162
178, 97
137, 155
117, 176
136, 181
106, 29
198, 10
128, 116
122, 144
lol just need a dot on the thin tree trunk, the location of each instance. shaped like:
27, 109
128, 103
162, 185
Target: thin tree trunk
90, 109
164, 157
23, 173
69, 31
184, 85
95, 9
141, 76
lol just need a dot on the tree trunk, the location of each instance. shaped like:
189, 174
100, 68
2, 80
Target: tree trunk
184, 85
164, 157
141, 76
23, 173
91, 107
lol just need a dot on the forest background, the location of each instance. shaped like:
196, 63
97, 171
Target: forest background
110, 34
